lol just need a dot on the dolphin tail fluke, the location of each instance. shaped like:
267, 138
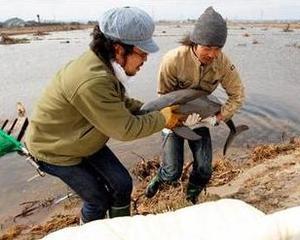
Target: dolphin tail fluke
233, 133
187, 133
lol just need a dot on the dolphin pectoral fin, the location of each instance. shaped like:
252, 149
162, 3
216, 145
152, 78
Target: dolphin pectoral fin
187, 133
239, 129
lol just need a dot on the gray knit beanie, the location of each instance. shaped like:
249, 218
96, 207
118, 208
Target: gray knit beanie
210, 29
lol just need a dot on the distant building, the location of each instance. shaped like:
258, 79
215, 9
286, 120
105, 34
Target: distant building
14, 22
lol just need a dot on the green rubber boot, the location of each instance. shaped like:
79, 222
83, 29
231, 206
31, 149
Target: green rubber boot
153, 187
119, 211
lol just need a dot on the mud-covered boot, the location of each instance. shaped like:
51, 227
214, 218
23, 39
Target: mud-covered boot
153, 187
119, 211
192, 192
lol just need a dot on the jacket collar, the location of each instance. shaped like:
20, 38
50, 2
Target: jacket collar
212, 66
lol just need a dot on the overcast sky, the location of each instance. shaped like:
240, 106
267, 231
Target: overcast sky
159, 9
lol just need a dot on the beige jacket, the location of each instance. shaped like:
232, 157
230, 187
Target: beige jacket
180, 69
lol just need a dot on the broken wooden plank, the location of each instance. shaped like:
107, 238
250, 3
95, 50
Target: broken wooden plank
11, 128
4, 124
16, 127
23, 129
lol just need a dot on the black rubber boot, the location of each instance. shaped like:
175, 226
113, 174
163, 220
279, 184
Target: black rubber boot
119, 211
192, 192
153, 187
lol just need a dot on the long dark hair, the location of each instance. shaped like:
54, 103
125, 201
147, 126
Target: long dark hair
186, 41
103, 47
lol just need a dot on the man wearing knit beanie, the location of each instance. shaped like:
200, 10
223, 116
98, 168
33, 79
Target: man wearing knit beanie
210, 29
198, 64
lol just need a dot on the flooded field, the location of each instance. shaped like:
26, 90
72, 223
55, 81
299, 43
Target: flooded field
268, 61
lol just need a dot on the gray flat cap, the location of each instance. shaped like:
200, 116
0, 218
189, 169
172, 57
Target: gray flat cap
210, 29
130, 25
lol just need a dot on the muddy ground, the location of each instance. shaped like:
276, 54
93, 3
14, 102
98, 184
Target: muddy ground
268, 177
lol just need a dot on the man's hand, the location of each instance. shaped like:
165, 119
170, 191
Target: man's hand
220, 117
213, 120
172, 116
192, 120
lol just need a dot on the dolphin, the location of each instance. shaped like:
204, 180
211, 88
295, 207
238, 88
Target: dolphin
194, 101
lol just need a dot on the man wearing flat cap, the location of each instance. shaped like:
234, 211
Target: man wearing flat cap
85, 104
199, 64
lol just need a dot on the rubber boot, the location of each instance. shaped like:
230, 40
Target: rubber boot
83, 221
119, 211
153, 187
192, 192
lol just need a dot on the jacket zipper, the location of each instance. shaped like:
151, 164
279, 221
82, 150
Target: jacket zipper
201, 74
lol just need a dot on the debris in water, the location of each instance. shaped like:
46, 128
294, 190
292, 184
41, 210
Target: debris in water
31, 206
295, 45
5, 39
287, 28
242, 44
21, 109
40, 33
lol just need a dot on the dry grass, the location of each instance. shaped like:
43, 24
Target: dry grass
172, 196
223, 172
267, 151
38, 231
57, 222
13, 232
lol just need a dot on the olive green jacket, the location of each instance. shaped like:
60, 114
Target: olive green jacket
180, 68
83, 106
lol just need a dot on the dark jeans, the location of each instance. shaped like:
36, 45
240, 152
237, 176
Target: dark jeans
100, 180
173, 158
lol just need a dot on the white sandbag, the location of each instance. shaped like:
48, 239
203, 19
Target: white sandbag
223, 219
287, 223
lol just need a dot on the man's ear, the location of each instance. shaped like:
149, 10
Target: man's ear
119, 53
119, 50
